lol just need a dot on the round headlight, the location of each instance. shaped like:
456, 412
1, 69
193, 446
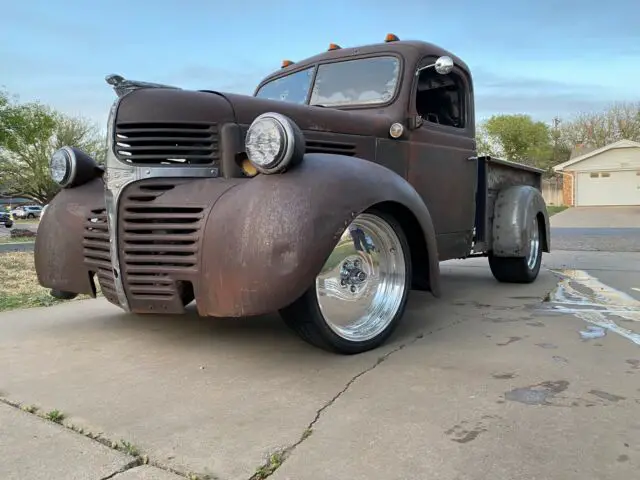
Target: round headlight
274, 143
62, 166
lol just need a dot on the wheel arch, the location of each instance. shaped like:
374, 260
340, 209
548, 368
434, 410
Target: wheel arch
419, 252
514, 209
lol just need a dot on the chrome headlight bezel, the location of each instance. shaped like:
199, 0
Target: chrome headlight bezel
288, 143
80, 167
68, 157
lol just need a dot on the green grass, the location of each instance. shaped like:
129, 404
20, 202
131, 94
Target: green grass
55, 416
19, 287
553, 209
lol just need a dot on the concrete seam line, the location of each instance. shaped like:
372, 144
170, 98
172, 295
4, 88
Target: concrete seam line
137, 461
277, 459
128, 466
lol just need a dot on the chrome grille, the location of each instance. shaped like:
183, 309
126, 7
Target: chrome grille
166, 143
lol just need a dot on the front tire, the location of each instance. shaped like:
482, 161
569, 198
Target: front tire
360, 295
521, 269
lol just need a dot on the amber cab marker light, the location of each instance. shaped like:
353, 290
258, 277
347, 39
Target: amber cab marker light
391, 38
286, 63
334, 46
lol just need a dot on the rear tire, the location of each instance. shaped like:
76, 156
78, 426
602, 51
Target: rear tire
359, 297
521, 269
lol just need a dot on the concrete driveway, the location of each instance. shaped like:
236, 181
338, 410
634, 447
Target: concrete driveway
490, 381
597, 217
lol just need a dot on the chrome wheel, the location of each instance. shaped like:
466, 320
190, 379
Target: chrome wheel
534, 245
363, 284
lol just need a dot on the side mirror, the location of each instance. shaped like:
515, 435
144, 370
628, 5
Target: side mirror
443, 65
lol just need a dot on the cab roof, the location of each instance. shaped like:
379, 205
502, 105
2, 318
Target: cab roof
410, 50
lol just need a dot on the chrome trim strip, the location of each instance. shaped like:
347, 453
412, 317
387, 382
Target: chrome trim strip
119, 175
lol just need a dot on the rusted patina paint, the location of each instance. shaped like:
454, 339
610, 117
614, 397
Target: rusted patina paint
284, 228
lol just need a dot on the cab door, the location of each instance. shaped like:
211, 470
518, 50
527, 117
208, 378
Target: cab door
443, 167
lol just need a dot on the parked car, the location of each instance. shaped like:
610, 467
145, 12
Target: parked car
5, 219
28, 211
246, 203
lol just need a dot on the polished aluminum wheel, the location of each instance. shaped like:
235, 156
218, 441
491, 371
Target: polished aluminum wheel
363, 283
534, 245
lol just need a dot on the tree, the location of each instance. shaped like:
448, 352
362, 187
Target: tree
620, 121
518, 138
29, 134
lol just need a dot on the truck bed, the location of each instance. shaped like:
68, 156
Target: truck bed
494, 174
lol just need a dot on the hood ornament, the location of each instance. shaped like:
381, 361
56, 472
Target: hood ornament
122, 86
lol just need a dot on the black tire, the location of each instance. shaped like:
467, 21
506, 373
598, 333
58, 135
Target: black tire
31, 215
517, 269
306, 319
8, 224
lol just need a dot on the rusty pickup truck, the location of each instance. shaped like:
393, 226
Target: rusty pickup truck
326, 196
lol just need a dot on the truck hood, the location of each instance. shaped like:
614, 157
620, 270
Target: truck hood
175, 106
323, 119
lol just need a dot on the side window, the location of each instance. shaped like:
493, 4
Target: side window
441, 98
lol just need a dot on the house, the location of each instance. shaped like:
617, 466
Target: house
605, 176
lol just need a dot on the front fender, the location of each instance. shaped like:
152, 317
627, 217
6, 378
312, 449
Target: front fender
514, 210
59, 249
267, 239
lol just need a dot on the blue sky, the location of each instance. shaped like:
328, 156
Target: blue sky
541, 57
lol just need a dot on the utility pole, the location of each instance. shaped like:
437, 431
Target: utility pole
556, 123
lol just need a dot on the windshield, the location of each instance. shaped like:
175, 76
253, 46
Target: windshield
293, 88
366, 81
356, 82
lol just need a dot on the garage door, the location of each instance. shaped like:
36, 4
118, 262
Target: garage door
608, 188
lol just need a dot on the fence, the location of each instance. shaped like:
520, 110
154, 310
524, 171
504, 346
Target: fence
552, 191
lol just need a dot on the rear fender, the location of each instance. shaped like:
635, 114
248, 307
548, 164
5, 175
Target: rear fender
514, 210
267, 239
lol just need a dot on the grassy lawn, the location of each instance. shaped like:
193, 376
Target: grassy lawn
553, 209
19, 286
30, 221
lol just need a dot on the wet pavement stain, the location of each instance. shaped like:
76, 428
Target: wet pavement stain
598, 304
606, 395
560, 359
465, 433
546, 345
635, 364
504, 376
535, 324
592, 332
623, 458
511, 340
538, 394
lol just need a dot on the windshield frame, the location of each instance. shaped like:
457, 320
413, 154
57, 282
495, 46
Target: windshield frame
353, 106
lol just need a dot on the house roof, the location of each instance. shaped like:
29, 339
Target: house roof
593, 153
